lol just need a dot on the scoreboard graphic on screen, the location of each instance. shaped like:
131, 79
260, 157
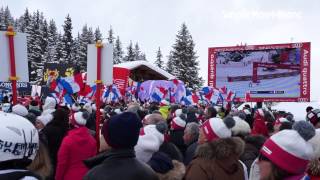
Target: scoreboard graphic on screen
272, 72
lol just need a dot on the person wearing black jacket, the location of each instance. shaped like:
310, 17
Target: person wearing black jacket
121, 134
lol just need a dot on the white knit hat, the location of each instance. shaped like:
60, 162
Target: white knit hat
149, 142
178, 123
164, 103
75, 107
20, 110
80, 118
241, 127
88, 107
290, 149
216, 128
19, 138
178, 112
49, 103
45, 118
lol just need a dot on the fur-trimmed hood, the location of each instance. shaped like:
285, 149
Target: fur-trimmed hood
176, 173
221, 148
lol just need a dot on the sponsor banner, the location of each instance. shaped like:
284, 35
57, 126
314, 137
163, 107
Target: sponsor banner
23, 87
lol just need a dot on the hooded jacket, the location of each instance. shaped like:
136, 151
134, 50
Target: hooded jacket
77, 146
218, 159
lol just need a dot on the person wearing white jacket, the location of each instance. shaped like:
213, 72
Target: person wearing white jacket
149, 142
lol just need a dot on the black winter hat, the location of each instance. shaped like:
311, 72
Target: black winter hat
122, 130
160, 162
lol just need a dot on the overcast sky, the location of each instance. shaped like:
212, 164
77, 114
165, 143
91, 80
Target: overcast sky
154, 23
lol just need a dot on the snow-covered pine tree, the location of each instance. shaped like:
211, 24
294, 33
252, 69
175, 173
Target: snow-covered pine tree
83, 47
5, 19
44, 40
137, 52
130, 53
90, 36
143, 57
111, 37
34, 48
2, 20
8, 19
58, 56
169, 65
86, 37
159, 61
52, 42
24, 21
185, 64
67, 39
97, 35
117, 52
74, 52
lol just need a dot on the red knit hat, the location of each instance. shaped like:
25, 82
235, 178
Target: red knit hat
216, 128
290, 149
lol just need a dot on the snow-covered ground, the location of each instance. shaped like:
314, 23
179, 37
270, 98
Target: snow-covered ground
290, 85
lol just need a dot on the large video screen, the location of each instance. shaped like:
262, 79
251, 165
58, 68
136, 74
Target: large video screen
274, 72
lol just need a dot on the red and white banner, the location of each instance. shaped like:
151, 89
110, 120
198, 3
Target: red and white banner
120, 78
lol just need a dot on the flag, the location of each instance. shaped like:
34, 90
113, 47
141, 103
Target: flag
215, 96
223, 90
230, 96
247, 96
112, 94
71, 84
159, 93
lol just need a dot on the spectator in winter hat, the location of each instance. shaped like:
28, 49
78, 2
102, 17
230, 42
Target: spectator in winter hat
313, 169
263, 122
215, 128
20, 110
285, 155
87, 107
34, 108
76, 146
241, 127
154, 118
217, 156
6, 107
164, 108
49, 105
210, 112
281, 124
309, 108
166, 168
190, 138
313, 116
150, 140
121, 134
176, 132
16, 131
43, 120
54, 132
75, 107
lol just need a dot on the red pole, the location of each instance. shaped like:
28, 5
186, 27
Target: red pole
98, 93
10, 33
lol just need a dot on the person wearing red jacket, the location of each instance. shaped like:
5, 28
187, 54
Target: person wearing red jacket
263, 123
77, 146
